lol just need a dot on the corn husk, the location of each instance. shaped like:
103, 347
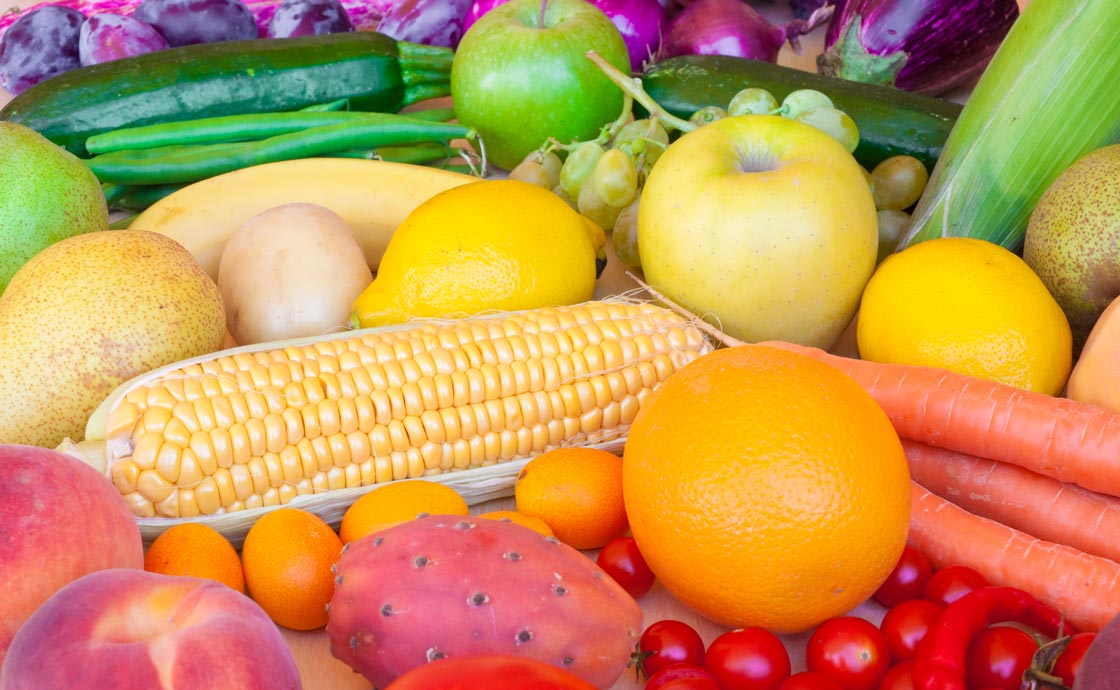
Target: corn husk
1048, 97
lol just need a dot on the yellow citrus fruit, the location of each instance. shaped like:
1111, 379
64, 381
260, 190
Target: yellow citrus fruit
195, 550
517, 517
969, 306
498, 245
577, 492
765, 488
396, 502
288, 556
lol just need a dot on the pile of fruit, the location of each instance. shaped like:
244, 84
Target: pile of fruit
531, 354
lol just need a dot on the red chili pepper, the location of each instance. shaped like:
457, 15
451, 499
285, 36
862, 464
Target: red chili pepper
939, 664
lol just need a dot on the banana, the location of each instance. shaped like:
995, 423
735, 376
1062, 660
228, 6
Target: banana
372, 196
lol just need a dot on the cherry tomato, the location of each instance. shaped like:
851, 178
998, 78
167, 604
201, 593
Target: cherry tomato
907, 580
899, 677
1069, 662
951, 583
906, 625
682, 676
997, 657
851, 650
667, 642
491, 671
622, 560
810, 680
748, 659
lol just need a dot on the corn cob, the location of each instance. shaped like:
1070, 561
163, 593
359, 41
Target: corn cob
260, 425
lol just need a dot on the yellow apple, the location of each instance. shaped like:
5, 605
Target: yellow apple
764, 225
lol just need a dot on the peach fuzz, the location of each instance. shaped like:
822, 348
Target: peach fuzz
61, 519
130, 629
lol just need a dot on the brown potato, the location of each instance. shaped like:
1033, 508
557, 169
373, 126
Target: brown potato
291, 271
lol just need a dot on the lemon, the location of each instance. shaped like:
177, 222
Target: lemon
970, 306
492, 245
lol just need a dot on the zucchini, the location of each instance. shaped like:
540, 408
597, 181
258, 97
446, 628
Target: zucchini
369, 69
891, 122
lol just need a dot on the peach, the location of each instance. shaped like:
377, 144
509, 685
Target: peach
130, 629
61, 519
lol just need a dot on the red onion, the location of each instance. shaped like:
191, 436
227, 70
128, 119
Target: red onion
729, 27
641, 23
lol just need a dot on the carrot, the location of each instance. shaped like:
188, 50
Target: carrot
1058, 437
1033, 503
1084, 587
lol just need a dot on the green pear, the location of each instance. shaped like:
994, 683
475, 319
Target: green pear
1073, 238
46, 194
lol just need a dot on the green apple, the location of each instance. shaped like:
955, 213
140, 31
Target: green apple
521, 75
763, 224
47, 195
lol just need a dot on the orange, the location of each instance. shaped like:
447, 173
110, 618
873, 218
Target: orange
396, 502
533, 523
765, 488
196, 550
288, 557
577, 492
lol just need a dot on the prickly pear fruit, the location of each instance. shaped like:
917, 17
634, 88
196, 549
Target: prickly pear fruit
451, 586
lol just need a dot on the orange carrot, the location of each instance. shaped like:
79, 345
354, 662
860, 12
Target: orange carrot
1085, 588
1057, 437
1033, 503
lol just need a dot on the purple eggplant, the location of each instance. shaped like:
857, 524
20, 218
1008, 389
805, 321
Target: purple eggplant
923, 46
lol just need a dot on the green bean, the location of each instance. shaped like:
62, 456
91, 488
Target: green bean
340, 104
140, 197
238, 128
424, 152
192, 163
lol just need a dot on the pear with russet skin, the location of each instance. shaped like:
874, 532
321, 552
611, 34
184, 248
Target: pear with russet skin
1072, 240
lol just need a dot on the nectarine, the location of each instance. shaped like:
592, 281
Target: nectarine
61, 519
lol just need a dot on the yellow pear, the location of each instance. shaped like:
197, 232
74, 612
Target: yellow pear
90, 312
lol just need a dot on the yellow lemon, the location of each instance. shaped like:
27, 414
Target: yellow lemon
492, 245
970, 306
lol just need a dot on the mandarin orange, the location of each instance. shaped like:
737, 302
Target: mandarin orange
288, 556
766, 489
577, 492
399, 501
196, 550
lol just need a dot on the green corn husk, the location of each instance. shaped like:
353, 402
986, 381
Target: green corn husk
1049, 96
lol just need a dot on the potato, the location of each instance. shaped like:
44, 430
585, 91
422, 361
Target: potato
291, 271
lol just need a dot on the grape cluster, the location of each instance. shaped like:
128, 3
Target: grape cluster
603, 178
50, 39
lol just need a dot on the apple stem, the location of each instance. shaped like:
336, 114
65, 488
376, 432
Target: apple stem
544, 9
633, 87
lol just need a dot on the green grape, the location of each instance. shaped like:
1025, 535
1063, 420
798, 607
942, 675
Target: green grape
752, 101
797, 102
624, 236
835, 123
642, 137
898, 182
708, 114
891, 226
592, 205
578, 166
533, 170
615, 178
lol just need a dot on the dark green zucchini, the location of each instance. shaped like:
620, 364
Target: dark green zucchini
890, 121
371, 70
